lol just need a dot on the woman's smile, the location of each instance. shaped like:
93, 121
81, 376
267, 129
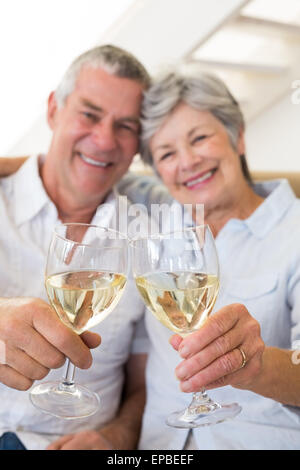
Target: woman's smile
199, 180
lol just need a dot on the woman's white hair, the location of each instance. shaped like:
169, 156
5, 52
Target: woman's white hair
206, 92
112, 59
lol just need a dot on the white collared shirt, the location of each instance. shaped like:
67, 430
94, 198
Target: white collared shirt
28, 218
260, 268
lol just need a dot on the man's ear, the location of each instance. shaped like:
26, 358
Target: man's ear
52, 110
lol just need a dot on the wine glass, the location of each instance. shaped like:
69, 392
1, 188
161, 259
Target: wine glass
177, 275
85, 276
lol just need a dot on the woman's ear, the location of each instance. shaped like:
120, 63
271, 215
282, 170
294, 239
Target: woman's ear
241, 148
52, 110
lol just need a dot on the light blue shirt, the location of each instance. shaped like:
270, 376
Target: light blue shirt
260, 268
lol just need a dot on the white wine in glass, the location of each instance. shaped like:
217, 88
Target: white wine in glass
181, 301
177, 275
85, 278
82, 299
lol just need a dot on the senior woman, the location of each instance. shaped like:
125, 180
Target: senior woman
193, 136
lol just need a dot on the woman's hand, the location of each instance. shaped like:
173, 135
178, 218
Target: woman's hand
226, 350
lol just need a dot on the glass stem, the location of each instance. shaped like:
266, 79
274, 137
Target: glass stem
201, 403
68, 379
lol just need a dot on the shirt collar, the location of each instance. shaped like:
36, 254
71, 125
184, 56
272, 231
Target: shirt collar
30, 194
279, 196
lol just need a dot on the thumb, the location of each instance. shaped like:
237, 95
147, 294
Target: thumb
90, 339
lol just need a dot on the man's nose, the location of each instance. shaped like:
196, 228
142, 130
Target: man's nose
104, 136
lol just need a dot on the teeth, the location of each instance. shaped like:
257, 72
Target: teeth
93, 162
199, 180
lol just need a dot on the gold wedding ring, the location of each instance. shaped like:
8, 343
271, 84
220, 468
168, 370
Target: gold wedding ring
244, 358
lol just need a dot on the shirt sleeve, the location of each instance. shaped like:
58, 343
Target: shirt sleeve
294, 303
145, 190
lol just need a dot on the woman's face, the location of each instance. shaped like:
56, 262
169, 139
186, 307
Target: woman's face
195, 159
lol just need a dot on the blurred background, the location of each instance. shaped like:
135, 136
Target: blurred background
254, 45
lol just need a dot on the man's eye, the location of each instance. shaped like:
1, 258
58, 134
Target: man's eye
90, 116
128, 128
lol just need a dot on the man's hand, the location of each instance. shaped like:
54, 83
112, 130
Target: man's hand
85, 440
212, 357
33, 341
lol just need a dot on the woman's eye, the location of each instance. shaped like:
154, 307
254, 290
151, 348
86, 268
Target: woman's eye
198, 138
166, 155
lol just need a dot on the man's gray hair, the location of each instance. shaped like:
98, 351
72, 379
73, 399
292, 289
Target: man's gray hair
112, 59
199, 90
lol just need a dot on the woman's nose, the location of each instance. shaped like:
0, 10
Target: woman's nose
188, 159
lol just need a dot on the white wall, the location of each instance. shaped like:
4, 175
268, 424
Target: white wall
156, 31
35, 140
273, 138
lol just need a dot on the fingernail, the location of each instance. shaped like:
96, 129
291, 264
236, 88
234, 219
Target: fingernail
181, 372
174, 341
184, 351
186, 386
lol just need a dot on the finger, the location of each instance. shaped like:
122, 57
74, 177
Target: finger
175, 341
241, 377
217, 348
220, 372
251, 350
215, 326
35, 326
24, 364
90, 339
223, 366
63, 338
31, 342
13, 379
57, 445
18, 332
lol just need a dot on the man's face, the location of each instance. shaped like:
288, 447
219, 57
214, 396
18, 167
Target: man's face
95, 136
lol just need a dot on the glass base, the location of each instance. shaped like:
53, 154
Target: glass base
64, 401
216, 414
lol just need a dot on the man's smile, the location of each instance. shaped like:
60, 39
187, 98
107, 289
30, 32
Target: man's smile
94, 162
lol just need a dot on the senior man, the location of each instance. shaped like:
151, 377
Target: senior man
94, 118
